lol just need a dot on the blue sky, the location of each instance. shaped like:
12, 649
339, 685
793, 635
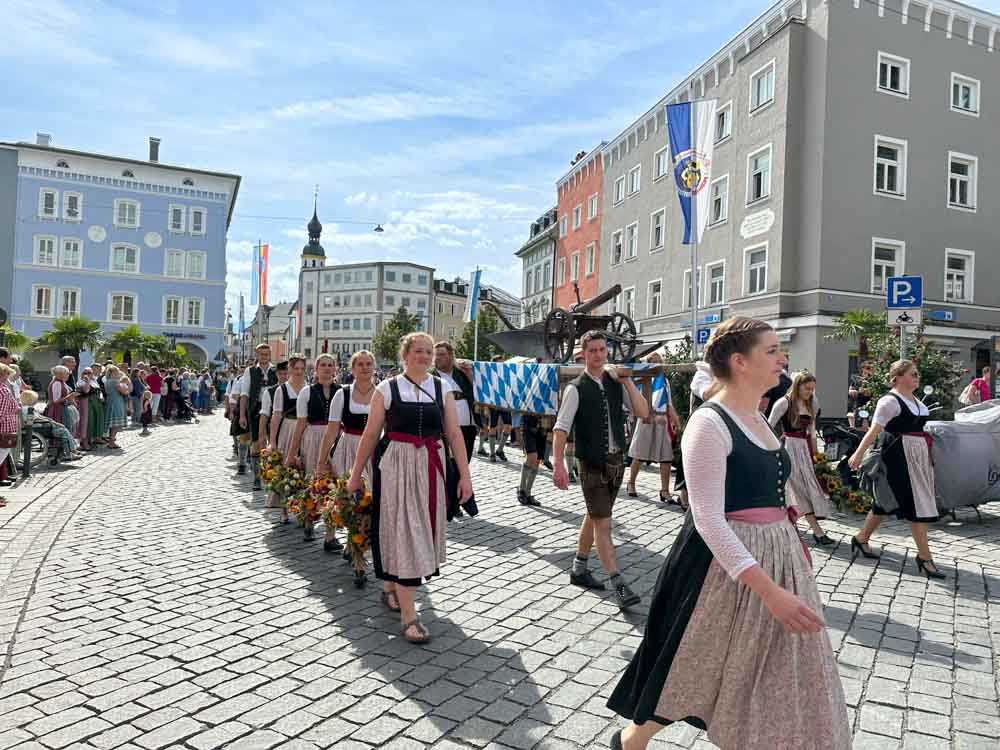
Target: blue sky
448, 123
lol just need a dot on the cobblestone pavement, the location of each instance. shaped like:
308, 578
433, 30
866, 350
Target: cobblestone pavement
148, 600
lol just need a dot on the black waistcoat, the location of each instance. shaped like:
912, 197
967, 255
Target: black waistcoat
318, 409
257, 383
422, 419
755, 477
349, 419
590, 426
907, 421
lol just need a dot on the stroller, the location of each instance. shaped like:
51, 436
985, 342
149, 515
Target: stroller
840, 441
183, 408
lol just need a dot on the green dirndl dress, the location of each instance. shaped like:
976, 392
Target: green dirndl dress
95, 415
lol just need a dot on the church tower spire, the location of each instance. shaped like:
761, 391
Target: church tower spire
313, 255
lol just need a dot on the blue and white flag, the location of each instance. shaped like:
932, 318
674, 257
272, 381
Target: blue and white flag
691, 127
472, 303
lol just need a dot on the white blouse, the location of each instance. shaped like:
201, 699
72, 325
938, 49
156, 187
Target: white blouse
705, 446
337, 406
888, 408
410, 393
279, 397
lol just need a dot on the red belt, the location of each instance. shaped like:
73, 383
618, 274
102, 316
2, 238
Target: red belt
803, 435
355, 431
434, 466
317, 424
770, 514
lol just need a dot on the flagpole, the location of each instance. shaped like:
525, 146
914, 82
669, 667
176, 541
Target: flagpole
475, 334
694, 284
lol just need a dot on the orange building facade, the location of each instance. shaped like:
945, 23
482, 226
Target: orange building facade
578, 246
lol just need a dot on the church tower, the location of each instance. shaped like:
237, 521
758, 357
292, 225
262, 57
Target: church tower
313, 255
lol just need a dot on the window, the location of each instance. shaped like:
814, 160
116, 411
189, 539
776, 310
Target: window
198, 221
357, 300
719, 208
48, 203
337, 278
336, 324
405, 302
548, 275
407, 278
327, 277
122, 308
69, 302
619, 190
70, 255
72, 203
631, 240
41, 301
755, 262
176, 214
175, 264
562, 226
577, 216
326, 324
958, 275
195, 266
125, 258
890, 167
628, 300
887, 261
327, 301
762, 87
661, 163
561, 274
656, 229
172, 311
962, 173
45, 251
653, 298
356, 324
592, 207
591, 253
368, 300
193, 312
574, 267
390, 300
893, 74
126, 214
687, 288
616, 248
716, 282
759, 175
633, 179
390, 275
964, 95
538, 280
367, 324
421, 304
309, 332
421, 278
527, 283
309, 308
309, 351
724, 122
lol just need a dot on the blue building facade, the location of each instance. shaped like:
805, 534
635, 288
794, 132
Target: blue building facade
122, 242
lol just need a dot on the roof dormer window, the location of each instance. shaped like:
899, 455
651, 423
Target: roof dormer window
188, 181
62, 164
128, 173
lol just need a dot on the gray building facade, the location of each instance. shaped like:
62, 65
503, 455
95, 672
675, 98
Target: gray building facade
8, 224
538, 257
854, 144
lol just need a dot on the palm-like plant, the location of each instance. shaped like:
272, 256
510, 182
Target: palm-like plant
15, 341
861, 324
70, 336
127, 342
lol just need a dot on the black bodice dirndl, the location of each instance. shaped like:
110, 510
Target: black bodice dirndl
421, 419
353, 421
897, 470
755, 478
288, 407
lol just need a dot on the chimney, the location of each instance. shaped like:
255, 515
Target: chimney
154, 149
43, 139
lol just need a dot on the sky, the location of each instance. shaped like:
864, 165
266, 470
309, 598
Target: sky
446, 123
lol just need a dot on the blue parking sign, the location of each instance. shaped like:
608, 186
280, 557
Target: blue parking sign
703, 334
904, 292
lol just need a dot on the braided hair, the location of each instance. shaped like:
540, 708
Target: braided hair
735, 336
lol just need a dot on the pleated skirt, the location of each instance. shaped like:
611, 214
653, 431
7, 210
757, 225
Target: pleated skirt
911, 477
651, 442
803, 486
343, 457
311, 440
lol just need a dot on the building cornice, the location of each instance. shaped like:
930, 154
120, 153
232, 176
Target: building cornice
139, 186
579, 166
547, 234
117, 274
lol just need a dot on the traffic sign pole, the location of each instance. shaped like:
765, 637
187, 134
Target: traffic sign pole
904, 293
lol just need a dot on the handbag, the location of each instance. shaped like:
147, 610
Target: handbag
8, 440
970, 395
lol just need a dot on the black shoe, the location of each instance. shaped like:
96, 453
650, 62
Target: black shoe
922, 567
241, 469
308, 535
630, 491
493, 459
501, 456
333, 546
586, 580
547, 464
482, 452
857, 547
527, 499
458, 512
626, 596
256, 483
616, 740
823, 541
572, 477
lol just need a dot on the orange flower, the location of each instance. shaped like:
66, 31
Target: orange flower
358, 538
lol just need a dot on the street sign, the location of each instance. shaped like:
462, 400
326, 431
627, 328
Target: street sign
946, 316
904, 292
703, 334
905, 317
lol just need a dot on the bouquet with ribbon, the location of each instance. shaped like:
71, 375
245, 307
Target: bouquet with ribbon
351, 511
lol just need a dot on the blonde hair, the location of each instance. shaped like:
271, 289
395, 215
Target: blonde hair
363, 353
5, 370
29, 397
899, 367
60, 370
112, 372
407, 341
323, 356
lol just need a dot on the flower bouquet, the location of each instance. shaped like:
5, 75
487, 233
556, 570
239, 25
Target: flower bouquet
351, 511
270, 466
842, 495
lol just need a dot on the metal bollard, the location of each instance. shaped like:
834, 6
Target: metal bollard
29, 422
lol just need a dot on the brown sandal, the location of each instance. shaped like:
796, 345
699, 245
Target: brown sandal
424, 636
394, 600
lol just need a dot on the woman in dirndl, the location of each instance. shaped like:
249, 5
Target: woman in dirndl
795, 413
409, 517
83, 401
347, 420
906, 452
652, 440
312, 411
116, 409
735, 641
284, 410
95, 405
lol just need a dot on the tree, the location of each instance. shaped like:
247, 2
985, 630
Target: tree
861, 324
488, 323
386, 342
15, 341
70, 336
130, 342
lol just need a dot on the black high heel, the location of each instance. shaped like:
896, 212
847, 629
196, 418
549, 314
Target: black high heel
616, 740
857, 547
922, 567
630, 490
824, 540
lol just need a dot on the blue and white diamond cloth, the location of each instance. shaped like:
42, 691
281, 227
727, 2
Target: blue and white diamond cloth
530, 387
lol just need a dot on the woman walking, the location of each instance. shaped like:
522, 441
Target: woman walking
83, 391
347, 420
906, 451
735, 640
312, 410
409, 516
116, 390
795, 412
652, 440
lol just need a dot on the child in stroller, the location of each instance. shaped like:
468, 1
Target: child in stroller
182, 407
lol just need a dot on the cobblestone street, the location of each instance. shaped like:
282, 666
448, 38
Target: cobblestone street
149, 600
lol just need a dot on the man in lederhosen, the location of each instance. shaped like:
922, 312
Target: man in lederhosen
593, 407
445, 368
257, 377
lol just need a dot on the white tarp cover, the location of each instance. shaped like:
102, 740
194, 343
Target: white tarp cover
967, 456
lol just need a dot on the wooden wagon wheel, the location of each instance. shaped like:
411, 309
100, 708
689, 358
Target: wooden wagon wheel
560, 335
621, 338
